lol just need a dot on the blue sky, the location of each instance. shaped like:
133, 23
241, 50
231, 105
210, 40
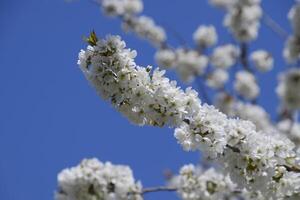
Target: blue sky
51, 118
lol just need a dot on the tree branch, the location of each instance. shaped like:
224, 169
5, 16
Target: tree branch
274, 26
159, 189
244, 57
295, 169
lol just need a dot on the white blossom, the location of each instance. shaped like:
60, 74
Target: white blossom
291, 129
146, 28
195, 183
165, 58
205, 36
225, 56
205, 131
122, 7
294, 17
187, 63
94, 180
289, 187
262, 60
217, 78
190, 63
225, 103
223, 3
252, 164
242, 19
254, 113
291, 51
289, 88
247, 111
245, 85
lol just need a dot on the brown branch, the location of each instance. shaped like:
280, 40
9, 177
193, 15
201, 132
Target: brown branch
159, 189
244, 57
234, 149
295, 169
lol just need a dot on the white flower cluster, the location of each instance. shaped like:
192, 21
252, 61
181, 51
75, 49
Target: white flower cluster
94, 180
245, 85
187, 63
291, 129
294, 17
262, 60
217, 78
289, 187
225, 56
225, 103
250, 157
142, 96
255, 114
205, 36
122, 7
205, 131
225, 4
292, 48
254, 160
289, 89
190, 63
247, 111
194, 183
166, 58
145, 28
243, 19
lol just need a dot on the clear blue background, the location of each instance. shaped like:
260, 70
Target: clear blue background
50, 117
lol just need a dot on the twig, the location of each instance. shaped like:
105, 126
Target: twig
295, 169
159, 189
234, 149
274, 26
244, 57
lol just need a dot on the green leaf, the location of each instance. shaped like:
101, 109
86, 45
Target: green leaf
92, 39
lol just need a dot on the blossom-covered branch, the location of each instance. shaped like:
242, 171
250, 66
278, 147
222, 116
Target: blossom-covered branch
252, 159
147, 98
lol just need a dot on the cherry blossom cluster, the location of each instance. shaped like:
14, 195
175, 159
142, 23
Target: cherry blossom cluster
242, 18
247, 111
122, 7
249, 156
145, 98
194, 182
94, 180
190, 63
187, 63
291, 129
289, 88
292, 47
205, 36
143, 26
262, 60
245, 85
225, 56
